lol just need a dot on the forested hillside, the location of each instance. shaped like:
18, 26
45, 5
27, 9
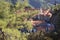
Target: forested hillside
14, 17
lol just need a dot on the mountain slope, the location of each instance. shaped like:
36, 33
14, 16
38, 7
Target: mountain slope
40, 3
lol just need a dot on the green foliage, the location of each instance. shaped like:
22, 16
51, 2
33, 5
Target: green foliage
3, 24
21, 4
11, 34
11, 21
55, 7
4, 9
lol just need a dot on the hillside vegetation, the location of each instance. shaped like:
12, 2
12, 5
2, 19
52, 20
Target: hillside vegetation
13, 17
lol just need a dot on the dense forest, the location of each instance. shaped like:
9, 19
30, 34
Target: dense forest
14, 17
